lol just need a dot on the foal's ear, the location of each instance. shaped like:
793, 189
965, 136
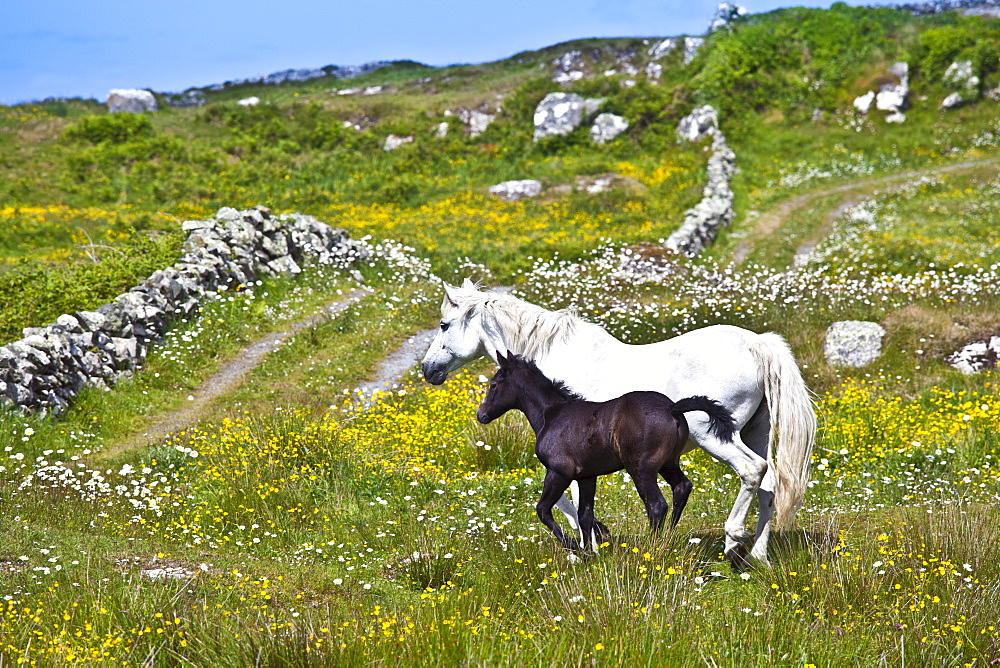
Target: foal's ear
501, 360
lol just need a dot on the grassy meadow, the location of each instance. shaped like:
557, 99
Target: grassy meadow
295, 525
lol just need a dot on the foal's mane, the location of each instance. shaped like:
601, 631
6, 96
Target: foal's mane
527, 329
557, 386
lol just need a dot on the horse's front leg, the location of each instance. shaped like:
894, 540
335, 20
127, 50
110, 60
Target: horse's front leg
588, 489
553, 488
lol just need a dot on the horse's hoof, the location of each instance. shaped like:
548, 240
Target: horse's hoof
737, 557
602, 532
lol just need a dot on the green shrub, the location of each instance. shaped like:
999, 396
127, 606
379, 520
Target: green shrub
110, 128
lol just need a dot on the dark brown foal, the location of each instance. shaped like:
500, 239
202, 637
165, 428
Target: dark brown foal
641, 432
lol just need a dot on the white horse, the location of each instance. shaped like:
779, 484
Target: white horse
753, 375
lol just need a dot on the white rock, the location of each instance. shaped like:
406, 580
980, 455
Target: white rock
349, 91
392, 142
373, 90
864, 102
725, 14
131, 100
700, 123
559, 114
976, 356
442, 130
512, 191
952, 101
654, 70
568, 77
960, 74
691, 47
853, 343
891, 98
662, 48
476, 120
607, 127
896, 117
252, 101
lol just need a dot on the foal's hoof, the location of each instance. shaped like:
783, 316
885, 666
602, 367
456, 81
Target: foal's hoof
602, 532
737, 557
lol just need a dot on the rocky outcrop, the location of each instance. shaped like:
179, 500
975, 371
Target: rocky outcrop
131, 100
662, 48
569, 67
558, 114
46, 369
607, 127
512, 191
725, 14
691, 47
853, 343
893, 97
189, 98
964, 6
976, 356
476, 120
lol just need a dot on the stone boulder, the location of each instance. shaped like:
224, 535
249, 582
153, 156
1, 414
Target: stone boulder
512, 191
691, 47
853, 343
893, 97
662, 48
558, 114
700, 123
607, 127
960, 75
976, 356
392, 142
131, 100
251, 101
953, 101
725, 14
654, 71
864, 102
476, 120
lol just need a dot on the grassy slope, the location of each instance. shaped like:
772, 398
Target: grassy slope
299, 526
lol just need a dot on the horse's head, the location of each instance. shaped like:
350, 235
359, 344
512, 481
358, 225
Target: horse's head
462, 336
504, 390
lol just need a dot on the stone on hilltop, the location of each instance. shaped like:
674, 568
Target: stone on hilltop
853, 343
662, 48
131, 100
725, 14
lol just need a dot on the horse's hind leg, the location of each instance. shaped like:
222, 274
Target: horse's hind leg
553, 488
755, 435
681, 486
649, 492
588, 489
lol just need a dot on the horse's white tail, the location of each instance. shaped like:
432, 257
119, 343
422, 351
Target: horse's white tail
793, 424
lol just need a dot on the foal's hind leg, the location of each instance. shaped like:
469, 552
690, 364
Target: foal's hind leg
682, 490
553, 488
649, 492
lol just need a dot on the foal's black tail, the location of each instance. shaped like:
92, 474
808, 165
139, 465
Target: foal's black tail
721, 422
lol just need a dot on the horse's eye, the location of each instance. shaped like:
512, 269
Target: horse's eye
444, 326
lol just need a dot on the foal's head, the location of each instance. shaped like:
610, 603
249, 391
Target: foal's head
519, 384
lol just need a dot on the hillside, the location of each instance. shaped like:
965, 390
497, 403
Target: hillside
232, 499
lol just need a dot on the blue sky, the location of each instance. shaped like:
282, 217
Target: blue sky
84, 48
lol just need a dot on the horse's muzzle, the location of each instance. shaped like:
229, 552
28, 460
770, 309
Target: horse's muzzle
434, 376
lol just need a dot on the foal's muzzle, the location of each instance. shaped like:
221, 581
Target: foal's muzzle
483, 417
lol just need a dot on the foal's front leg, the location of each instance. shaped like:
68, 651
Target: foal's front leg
588, 489
552, 488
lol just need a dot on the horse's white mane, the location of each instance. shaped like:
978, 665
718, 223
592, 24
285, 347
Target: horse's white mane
527, 330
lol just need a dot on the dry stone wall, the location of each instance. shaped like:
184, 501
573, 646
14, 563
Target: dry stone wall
46, 369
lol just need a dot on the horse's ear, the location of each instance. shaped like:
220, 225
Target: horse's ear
467, 284
451, 297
